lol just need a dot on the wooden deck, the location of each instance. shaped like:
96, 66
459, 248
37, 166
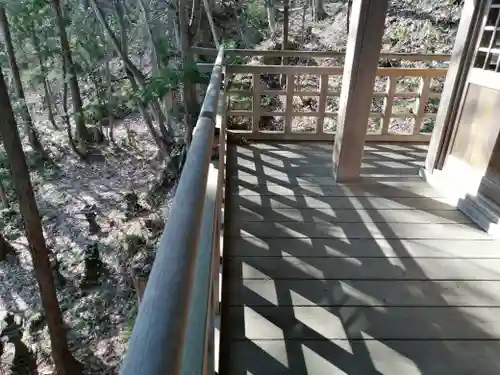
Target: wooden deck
379, 277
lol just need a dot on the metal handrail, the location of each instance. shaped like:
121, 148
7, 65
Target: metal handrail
158, 338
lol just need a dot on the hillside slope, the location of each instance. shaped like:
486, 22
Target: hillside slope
412, 26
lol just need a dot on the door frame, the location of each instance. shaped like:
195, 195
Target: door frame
471, 75
445, 127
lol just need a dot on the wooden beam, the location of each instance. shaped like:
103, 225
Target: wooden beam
461, 58
318, 54
376, 94
279, 136
297, 69
406, 114
363, 51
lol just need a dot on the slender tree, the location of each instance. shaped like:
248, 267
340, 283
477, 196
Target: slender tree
155, 57
82, 132
5, 248
271, 15
162, 147
189, 87
286, 26
319, 12
208, 12
29, 128
33, 21
284, 43
110, 104
349, 7
48, 98
3, 195
64, 361
164, 122
82, 154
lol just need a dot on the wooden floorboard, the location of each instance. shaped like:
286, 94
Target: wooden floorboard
408, 190
357, 230
290, 267
382, 276
367, 356
381, 322
242, 215
376, 293
361, 248
357, 202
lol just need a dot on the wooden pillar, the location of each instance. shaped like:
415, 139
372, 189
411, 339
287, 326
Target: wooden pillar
461, 58
363, 49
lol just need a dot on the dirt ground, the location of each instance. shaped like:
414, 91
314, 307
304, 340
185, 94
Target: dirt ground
100, 318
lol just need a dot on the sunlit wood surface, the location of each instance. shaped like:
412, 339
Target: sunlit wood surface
379, 277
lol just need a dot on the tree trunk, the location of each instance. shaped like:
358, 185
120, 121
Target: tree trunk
303, 27
111, 117
211, 23
136, 73
189, 87
284, 44
81, 154
82, 132
18, 85
155, 58
271, 16
192, 18
3, 196
162, 147
5, 248
98, 86
48, 104
133, 80
319, 12
141, 80
349, 7
64, 361
161, 119
286, 14
48, 99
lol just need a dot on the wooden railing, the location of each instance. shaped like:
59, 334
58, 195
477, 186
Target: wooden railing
384, 123
318, 54
174, 330
404, 105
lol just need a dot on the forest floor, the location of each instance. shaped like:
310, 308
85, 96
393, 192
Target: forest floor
101, 318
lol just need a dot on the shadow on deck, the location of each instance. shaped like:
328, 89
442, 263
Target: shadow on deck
378, 277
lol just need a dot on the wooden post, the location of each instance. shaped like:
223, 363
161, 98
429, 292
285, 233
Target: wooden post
391, 90
290, 87
256, 103
425, 89
323, 92
363, 51
454, 84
